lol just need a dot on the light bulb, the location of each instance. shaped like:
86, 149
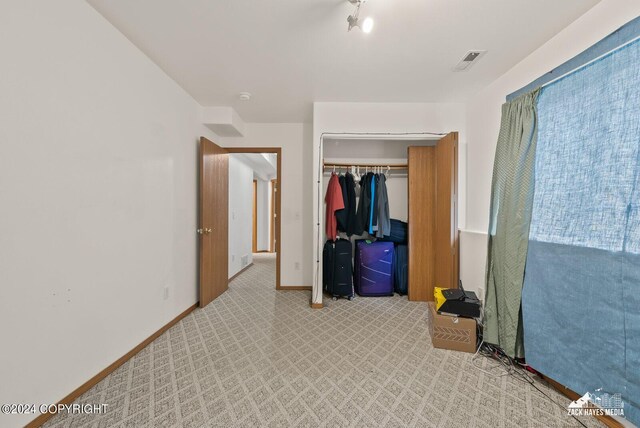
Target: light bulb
367, 25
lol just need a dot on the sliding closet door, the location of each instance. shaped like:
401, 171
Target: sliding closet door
421, 194
446, 233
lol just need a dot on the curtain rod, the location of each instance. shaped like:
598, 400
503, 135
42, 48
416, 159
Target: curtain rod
586, 64
622, 37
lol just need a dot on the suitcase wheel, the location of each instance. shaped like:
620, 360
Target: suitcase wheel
350, 298
334, 298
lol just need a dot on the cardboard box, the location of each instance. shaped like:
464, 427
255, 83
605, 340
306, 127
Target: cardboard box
455, 333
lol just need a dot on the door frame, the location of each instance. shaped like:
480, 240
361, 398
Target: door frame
278, 152
318, 210
272, 216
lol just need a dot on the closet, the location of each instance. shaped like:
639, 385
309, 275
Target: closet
422, 188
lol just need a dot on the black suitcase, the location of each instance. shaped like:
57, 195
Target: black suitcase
401, 269
337, 269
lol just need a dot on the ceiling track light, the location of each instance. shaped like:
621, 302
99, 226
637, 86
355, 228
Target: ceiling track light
365, 25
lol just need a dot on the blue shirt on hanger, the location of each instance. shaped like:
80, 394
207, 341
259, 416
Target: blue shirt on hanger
373, 198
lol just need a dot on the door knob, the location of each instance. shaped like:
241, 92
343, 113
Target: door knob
208, 231
200, 231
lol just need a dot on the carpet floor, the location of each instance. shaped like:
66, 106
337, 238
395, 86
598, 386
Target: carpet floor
257, 357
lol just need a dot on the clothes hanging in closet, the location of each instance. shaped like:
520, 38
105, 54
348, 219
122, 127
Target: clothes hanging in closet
346, 217
364, 205
334, 202
373, 212
370, 214
384, 221
341, 215
350, 205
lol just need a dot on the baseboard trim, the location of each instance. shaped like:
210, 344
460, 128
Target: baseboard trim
316, 305
241, 271
607, 420
294, 287
112, 367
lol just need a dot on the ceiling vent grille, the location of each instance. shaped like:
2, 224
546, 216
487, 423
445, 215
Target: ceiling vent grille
468, 60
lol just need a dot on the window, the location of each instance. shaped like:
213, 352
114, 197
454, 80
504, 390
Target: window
581, 294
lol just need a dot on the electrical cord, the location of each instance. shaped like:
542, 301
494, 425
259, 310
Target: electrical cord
526, 378
513, 368
474, 360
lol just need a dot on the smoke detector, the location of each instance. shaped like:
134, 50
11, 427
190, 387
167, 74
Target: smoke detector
244, 96
469, 59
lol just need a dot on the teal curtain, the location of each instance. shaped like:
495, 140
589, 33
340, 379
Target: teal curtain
510, 218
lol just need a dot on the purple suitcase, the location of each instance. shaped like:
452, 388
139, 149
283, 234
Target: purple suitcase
374, 268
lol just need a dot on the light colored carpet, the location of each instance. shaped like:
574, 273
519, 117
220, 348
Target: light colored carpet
257, 357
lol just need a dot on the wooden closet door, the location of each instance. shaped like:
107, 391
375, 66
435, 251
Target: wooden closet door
446, 232
422, 218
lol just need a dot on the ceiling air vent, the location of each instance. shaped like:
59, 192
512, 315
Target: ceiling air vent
468, 60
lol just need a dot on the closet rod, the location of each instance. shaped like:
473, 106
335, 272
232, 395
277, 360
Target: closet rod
364, 165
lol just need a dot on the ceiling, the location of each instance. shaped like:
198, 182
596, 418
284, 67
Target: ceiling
264, 165
290, 53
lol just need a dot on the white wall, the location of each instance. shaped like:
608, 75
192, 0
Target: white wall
262, 241
484, 111
382, 118
98, 179
240, 214
296, 201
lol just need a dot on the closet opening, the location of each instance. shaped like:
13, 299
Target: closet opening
402, 237
254, 212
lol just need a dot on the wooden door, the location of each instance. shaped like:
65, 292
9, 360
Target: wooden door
446, 239
213, 229
421, 195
